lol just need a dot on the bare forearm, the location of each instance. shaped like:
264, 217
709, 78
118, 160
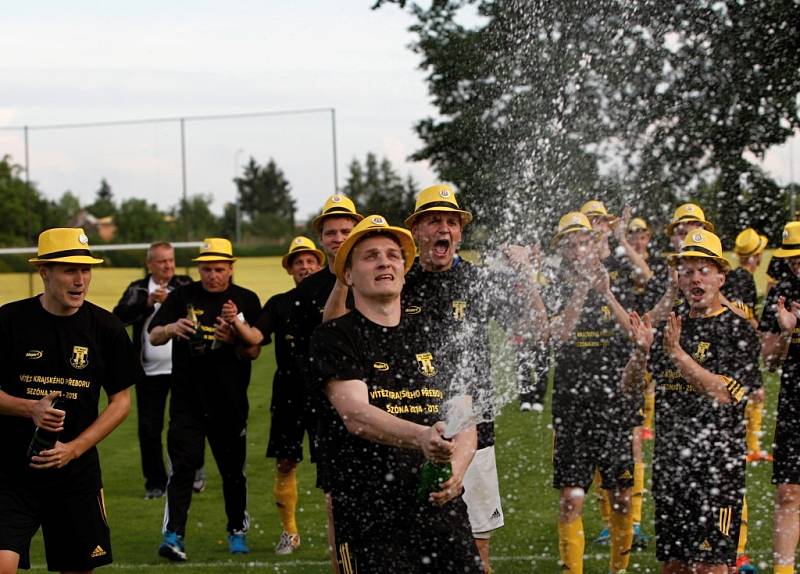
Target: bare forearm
774, 348
661, 310
162, 334
373, 424
246, 334
336, 305
466, 442
639, 262
620, 314
562, 326
119, 405
707, 383
633, 375
15, 406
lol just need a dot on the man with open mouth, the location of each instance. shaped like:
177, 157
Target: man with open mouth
704, 363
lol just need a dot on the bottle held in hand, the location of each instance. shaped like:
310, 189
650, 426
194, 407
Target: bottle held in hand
44, 439
431, 477
197, 342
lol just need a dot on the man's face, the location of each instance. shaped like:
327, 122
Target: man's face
579, 248
794, 265
700, 280
376, 268
161, 264
333, 233
680, 231
65, 286
438, 236
639, 240
303, 264
215, 276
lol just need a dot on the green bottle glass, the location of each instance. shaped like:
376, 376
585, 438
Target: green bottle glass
197, 342
44, 439
431, 477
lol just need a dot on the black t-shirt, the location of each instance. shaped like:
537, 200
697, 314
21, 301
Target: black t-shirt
403, 374
77, 355
740, 287
457, 306
275, 323
215, 381
311, 294
588, 366
696, 435
622, 277
657, 286
790, 376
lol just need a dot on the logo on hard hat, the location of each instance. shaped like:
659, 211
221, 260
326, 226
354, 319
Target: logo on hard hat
690, 208
785, 233
697, 238
444, 193
206, 245
378, 220
336, 198
576, 219
298, 241
83, 239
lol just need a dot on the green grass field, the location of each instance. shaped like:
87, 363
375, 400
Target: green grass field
527, 544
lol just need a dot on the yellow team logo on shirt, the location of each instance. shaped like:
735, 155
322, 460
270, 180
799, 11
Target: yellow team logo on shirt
79, 358
459, 307
613, 275
380, 366
413, 310
700, 353
426, 367
606, 310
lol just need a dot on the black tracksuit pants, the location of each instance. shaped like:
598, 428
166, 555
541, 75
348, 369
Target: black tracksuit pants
151, 401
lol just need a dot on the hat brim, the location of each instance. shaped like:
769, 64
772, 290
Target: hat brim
674, 258
316, 223
208, 258
466, 216
781, 252
402, 235
707, 225
319, 254
79, 259
562, 234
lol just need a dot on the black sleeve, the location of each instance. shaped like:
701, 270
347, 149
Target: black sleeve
172, 309
769, 318
738, 360
132, 306
267, 321
123, 367
335, 355
252, 308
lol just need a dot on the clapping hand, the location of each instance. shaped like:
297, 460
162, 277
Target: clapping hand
642, 333
672, 335
787, 318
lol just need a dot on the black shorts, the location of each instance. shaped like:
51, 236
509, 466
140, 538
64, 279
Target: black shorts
74, 527
288, 426
697, 523
581, 447
375, 535
786, 463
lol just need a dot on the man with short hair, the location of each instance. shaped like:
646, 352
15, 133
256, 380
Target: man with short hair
211, 374
704, 362
290, 420
136, 307
383, 372
57, 345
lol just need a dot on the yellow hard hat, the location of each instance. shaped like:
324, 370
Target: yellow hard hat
686, 213
704, 244
595, 208
749, 243
437, 198
338, 205
570, 223
790, 246
215, 249
301, 244
374, 224
64, 245
637, 224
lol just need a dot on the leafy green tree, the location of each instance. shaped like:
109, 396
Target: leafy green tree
194, 220
20, 203
104, 204
377, 188
266, 200
139, 221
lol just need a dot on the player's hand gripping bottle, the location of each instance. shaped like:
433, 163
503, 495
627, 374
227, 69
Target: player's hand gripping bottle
44, 439
431, 477
197, 342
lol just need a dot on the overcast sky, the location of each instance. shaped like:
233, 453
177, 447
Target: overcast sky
86, 61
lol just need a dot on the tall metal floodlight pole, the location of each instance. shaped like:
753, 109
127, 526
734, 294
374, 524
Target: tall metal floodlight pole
29, 230
238, 202
335, 160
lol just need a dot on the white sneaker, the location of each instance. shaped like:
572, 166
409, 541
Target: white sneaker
525, 406
288, 543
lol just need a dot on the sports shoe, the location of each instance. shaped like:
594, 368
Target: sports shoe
760, 456
237, 543
288, 543
199, 484
153, 493
743, 565
647, 434
525, 406
172, 547
603, 538
640, 539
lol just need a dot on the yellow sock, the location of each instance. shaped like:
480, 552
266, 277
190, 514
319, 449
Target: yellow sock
637, 495
621, 540
571, 542
602, 498
285, 492
784, 569
742, 548
649, 410
752, 413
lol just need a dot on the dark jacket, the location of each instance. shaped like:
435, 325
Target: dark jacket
132, 308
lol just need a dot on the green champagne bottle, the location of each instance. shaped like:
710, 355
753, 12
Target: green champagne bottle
431, 477
44, 439
197, 342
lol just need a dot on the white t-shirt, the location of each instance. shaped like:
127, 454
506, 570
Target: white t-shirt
156, 360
